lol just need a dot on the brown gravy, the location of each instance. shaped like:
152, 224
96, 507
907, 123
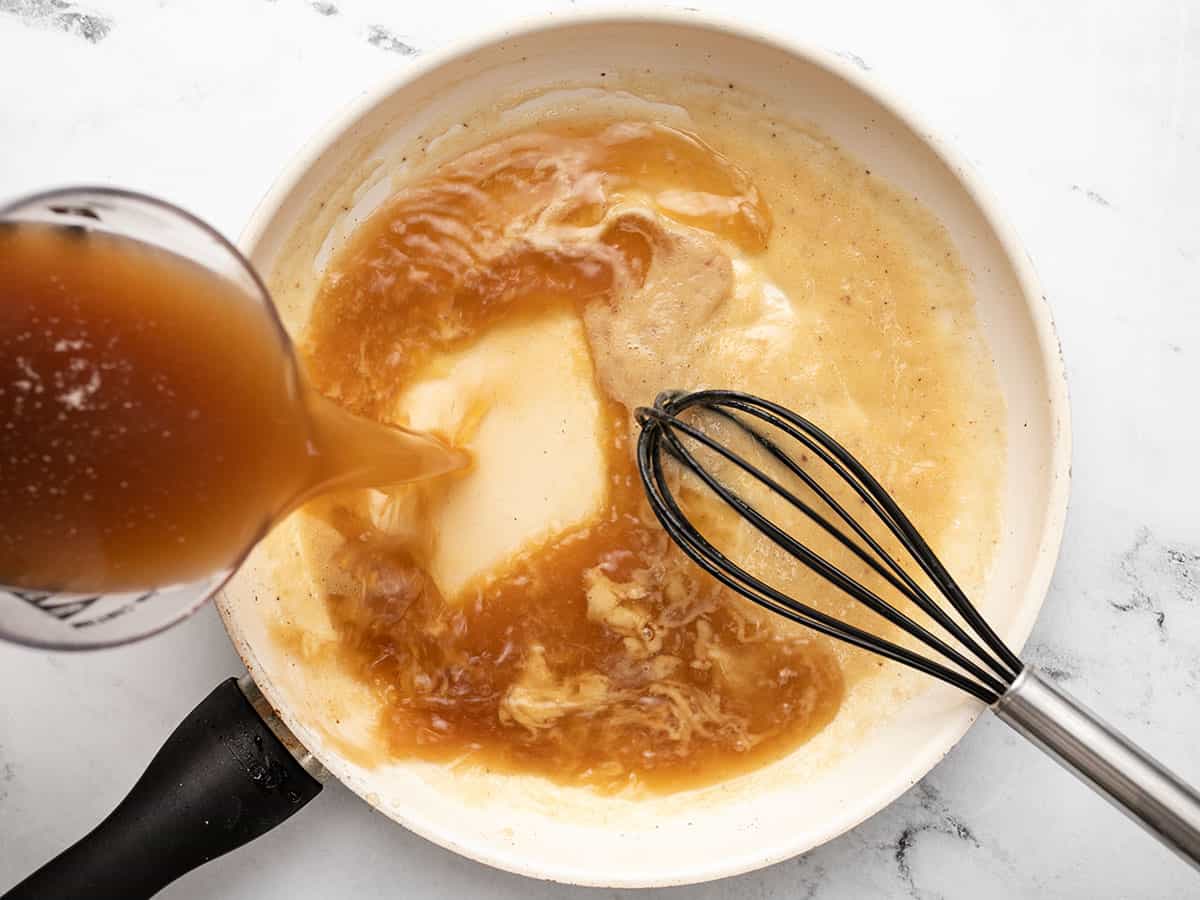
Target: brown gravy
589, 260
601, 656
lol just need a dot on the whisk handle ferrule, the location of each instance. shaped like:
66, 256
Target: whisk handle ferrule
1096, 753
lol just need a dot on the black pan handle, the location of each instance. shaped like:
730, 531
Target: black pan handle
221, 779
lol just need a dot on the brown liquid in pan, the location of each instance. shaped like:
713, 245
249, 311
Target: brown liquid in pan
602, 656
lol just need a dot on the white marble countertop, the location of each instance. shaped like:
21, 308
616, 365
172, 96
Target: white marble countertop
1083, 119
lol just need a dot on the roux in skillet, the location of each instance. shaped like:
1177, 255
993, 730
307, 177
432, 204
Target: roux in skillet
577, 270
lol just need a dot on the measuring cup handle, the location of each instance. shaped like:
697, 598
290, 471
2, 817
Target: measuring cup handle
221, 779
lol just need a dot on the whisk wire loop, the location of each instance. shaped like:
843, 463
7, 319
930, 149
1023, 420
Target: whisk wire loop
882, 503
805, 554
663, 431
715, 563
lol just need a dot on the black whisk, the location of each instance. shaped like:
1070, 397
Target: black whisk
971, 656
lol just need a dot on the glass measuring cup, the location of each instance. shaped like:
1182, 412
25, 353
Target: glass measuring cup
318, 447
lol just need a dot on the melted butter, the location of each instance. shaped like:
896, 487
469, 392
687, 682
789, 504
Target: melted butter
523, 397
580, 645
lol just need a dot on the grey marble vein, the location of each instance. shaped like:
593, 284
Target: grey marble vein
933, 817
1094, 196
378, 36
1159, 576
60, 15
1057, 663
856, 59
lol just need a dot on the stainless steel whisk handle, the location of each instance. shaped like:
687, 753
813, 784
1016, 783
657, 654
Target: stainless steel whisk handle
1098, 754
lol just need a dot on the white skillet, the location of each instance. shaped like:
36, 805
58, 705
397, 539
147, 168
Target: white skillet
525, 824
